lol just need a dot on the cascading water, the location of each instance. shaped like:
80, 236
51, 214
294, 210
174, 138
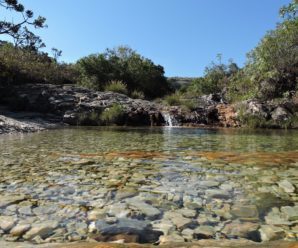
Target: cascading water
169, 119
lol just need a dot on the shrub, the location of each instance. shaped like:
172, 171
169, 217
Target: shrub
182, 100
272, 64
20, 66
253, 121
241, 87
113, 114
189, 104
215, 80
116, 86
124, 64
92, 118
137, 94
293, 122
173, 99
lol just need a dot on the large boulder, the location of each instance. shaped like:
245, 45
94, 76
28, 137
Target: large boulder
256, 108
280, 114
273, 114
141, 230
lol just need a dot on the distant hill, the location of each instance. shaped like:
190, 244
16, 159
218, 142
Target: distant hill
178, 82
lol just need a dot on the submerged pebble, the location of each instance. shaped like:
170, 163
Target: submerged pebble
132, 186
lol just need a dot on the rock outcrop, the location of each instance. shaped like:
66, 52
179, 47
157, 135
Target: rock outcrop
211, 110
26, 122
274, 114
79, 106
67, 104
38, 107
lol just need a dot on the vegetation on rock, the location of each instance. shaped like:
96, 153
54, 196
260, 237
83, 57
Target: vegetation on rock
116, 86
112, 114
136, 94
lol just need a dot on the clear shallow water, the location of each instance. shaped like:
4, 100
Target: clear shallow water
149, 175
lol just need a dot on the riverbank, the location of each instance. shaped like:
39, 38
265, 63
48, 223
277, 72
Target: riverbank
30, 108
77, 106
26, 122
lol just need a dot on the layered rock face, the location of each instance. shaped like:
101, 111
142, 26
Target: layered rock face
79, 106
211, 110
72, 105
276, 113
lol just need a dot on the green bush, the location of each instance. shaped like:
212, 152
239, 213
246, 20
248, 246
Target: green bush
252, 121
180, 99
271, 69
173, 99
116, 86
136, 94
123, 64
20, 66
92, 118
292, 122
241, 87
215, 80
113, 114
189, 104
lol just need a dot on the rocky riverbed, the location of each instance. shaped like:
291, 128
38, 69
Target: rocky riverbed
140, 187
206, 243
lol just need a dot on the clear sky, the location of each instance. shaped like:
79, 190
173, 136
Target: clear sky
182, 35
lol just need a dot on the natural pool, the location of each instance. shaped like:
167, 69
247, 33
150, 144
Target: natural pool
149, 185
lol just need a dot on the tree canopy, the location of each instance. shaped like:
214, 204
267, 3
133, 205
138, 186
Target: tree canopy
215, 79
126, 65
273, 64
271, 69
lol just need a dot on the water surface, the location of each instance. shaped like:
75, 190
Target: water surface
66, 174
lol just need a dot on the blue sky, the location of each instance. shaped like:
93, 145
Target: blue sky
182, 35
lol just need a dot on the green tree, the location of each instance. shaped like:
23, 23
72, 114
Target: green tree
20, 66
19, 31
126, 65
216, 78
56, 53
274, 62
272, 67
23, 62
289, 12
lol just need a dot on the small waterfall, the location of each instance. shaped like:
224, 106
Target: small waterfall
169, 119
